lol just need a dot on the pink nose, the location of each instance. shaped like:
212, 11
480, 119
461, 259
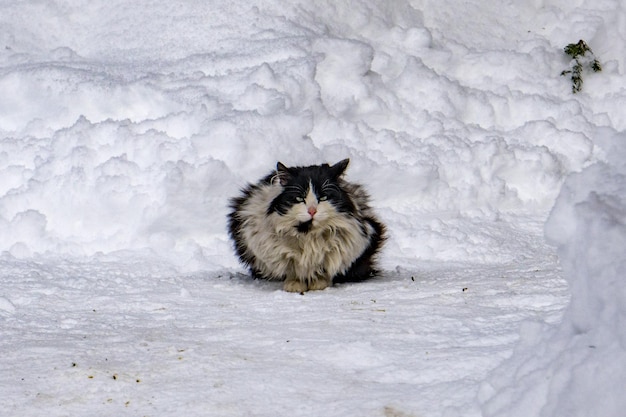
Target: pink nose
312, 211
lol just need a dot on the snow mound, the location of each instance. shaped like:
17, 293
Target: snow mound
577, 369
106, 148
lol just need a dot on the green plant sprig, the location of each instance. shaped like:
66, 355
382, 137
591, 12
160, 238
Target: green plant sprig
580, 52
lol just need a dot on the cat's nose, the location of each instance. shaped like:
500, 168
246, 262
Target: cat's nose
312, 211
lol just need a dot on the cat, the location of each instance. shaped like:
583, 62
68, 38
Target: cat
306, 226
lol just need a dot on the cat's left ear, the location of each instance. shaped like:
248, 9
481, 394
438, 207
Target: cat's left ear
339, 168
282, 174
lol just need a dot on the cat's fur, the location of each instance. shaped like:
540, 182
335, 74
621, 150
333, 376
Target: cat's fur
306, 226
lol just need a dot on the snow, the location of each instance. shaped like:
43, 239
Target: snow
576, 368
125, 128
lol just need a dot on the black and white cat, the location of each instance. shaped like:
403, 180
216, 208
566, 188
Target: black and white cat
306, 226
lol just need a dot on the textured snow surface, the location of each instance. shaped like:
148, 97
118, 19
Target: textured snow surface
125, 127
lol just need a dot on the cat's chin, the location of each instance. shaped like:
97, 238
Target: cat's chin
304, 227
311, 224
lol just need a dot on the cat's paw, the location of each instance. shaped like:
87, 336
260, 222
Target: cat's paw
319, 284
295, 285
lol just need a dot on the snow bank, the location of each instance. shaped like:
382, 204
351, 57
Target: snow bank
129, 131
577, 369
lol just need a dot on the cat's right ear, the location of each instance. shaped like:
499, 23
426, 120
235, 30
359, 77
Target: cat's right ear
339, 168
282, 174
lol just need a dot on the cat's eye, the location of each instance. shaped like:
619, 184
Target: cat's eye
323, 198
299, 199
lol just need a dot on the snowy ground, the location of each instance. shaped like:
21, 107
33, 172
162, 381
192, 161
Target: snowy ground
94, 337
125, 128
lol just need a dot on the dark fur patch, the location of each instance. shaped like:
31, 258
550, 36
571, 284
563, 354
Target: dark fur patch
305, 227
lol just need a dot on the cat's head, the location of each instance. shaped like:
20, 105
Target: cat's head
311, 196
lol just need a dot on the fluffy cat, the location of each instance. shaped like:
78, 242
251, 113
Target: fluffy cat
306, 226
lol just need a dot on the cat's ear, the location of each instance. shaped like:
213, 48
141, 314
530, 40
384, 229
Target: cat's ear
339, 168
282, 174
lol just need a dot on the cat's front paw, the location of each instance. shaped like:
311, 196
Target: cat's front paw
319, 284
295, 285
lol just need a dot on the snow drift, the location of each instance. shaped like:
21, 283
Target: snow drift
574, 369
